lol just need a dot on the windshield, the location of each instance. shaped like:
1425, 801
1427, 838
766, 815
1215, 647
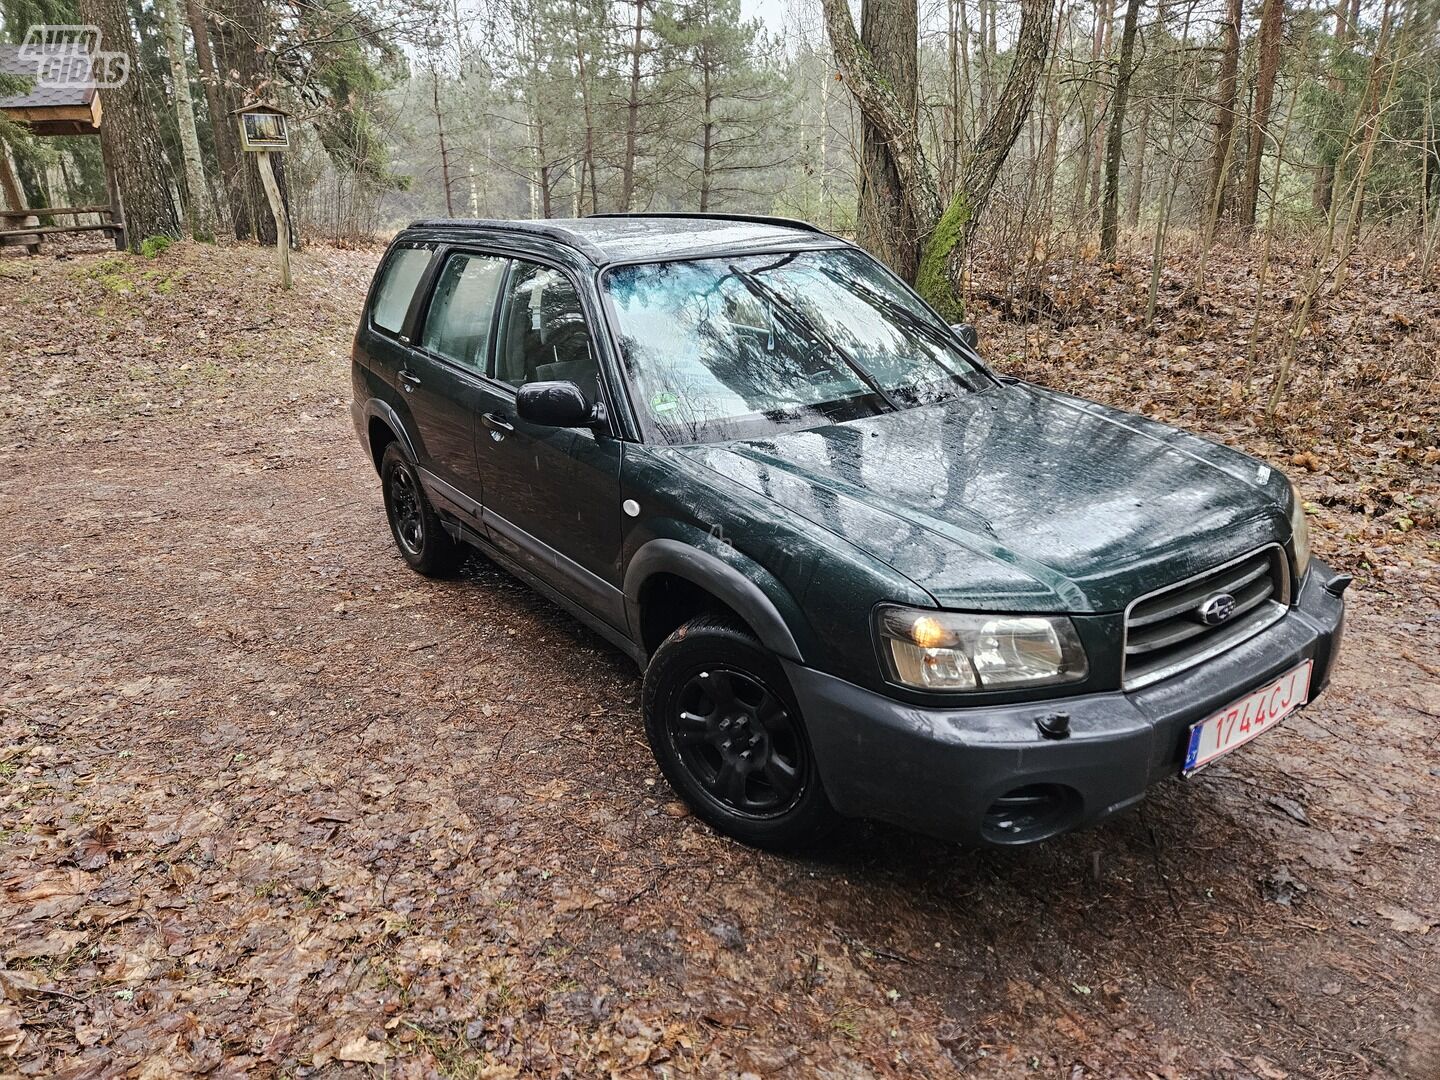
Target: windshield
744, 346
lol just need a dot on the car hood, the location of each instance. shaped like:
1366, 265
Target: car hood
1018, 498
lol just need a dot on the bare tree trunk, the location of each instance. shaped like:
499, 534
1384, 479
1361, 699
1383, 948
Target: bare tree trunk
1272, 24
1137, 171
986, 58
1430, 226
1262, 274
1050, 161
1381, 104
1090, 124
992, 145
201, 218
824, 164
440, 131
1115, 141
707, 136
1325, 175
542, 169
128, 136
232, 207
632, 110
963, 101
1095, 153
1167, 192
955, 125
587, 161
1162, 226
886, 224
1227, 90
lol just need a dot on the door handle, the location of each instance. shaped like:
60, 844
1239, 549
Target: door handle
409, 380
495, 420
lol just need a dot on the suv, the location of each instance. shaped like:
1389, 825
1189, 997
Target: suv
864, 575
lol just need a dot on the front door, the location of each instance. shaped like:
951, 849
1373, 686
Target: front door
444, 378
552, 495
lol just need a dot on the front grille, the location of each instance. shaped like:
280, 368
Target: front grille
1165, 632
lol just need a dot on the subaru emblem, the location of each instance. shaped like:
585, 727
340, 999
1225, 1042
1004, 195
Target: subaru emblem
1214, 610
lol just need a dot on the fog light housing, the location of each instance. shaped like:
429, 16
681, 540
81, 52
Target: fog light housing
1030, 813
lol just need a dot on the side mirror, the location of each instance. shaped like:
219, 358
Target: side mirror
555, 404
966, 333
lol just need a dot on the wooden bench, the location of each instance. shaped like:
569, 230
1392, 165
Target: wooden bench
31, 236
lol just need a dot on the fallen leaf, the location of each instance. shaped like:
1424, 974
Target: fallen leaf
1280, 886
12, 1035
55, 943
95, 848
1266, 1069
362, 1049
1290, 807
1405, 921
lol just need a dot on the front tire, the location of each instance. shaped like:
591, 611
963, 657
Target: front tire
727, 732
419, 536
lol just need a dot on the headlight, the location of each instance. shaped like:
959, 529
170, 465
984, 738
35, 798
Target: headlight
1299, 534
940, 650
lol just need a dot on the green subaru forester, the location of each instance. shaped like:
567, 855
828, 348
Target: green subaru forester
865, 576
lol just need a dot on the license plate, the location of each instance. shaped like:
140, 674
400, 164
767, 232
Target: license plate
1241, 721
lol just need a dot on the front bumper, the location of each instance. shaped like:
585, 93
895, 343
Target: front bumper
942, 771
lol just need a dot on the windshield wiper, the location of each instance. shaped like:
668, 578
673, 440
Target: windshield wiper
897, 310
765, 293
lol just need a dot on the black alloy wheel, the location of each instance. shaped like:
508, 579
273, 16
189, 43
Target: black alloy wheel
406, 515
419, 535
728, 734
736, 737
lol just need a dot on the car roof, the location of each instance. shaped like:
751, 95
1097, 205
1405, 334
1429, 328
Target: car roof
605, 239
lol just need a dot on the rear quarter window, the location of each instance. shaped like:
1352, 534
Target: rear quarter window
396, 288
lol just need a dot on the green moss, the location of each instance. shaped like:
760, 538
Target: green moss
932, 281
161, 281
115, 283
152, 247
110, 274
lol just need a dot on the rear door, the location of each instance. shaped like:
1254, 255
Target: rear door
552, 495
443, 377
384, 337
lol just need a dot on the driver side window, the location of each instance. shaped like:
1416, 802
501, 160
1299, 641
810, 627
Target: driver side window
544, 337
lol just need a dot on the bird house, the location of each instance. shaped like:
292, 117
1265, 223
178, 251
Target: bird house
263, 127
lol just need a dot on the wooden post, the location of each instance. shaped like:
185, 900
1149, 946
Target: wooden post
282, 222
10, 190
117, 209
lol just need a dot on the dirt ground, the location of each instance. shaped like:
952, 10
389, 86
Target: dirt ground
270, 804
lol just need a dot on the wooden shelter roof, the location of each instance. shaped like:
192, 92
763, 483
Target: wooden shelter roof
70, 108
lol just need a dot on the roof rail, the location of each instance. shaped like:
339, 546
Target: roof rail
758, 219
535, 228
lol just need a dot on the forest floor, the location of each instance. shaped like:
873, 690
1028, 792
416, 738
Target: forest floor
271, 804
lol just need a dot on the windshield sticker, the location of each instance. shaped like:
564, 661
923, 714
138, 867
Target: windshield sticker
664, 402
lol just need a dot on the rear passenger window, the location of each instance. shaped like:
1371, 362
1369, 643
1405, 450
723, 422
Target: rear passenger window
397, 287
463, 309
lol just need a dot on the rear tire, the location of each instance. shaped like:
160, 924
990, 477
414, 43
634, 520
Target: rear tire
419, 535
727, 732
